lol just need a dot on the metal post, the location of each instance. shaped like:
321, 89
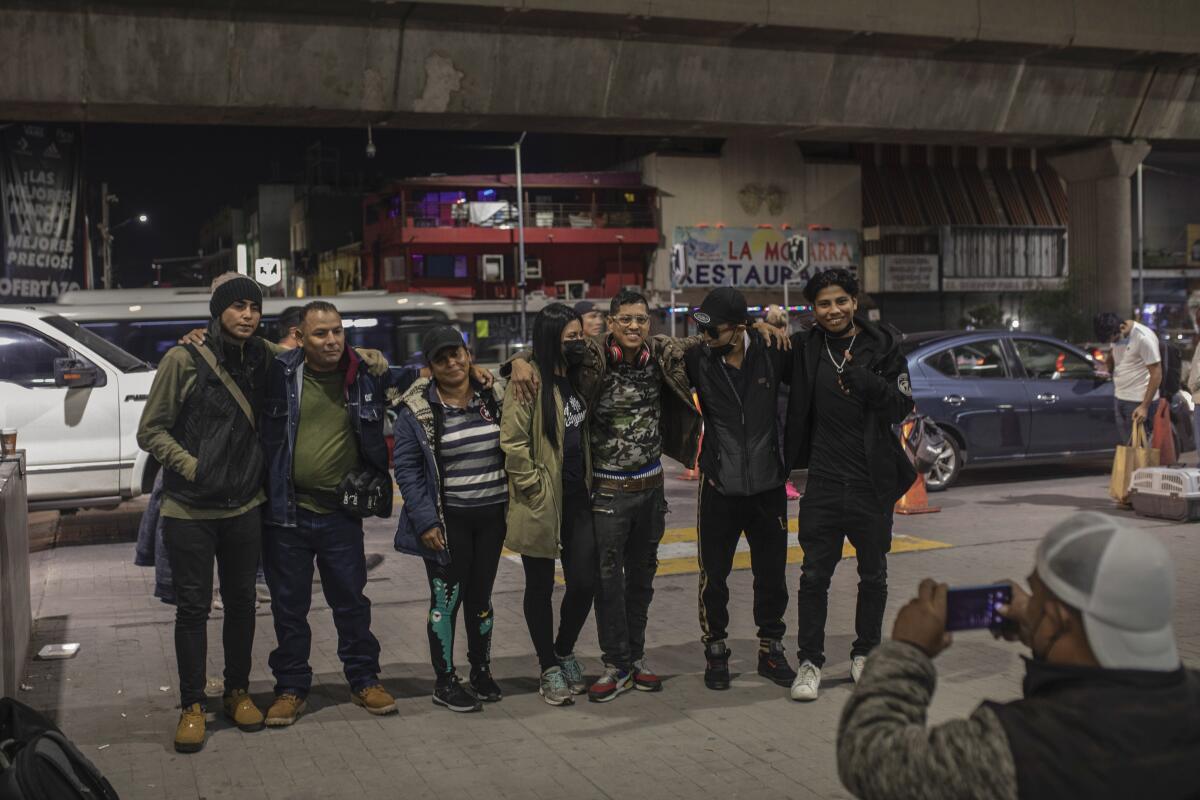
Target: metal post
521, 241
1141, 246
106, 239
672, 309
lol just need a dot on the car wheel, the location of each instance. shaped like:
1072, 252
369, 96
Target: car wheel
945, 470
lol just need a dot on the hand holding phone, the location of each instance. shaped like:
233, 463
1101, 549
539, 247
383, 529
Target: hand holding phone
977, 607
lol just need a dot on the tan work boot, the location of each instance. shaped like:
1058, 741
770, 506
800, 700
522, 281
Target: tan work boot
189, 736
286, 709
375, 699
241, 711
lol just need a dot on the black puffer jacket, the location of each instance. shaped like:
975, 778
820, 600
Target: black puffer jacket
891, 472
740, 454
212, 427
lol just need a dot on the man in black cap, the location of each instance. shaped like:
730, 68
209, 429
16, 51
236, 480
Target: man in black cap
736, 376
591, 317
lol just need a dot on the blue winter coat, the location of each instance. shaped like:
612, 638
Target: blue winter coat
417, 473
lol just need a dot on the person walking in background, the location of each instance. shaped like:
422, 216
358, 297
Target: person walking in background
1109, 711
736, 376
1135, 362
591, 317
450, 470
777, 317
323, 431
549, 511
850, 385
287, 327
1192, 379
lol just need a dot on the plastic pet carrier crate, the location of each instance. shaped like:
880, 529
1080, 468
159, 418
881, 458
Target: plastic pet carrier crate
1166, 493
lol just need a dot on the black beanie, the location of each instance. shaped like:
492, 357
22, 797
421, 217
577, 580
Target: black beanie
230, 291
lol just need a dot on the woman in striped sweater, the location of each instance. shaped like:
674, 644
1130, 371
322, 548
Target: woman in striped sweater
450, 470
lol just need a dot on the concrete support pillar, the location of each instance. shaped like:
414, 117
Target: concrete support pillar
1099, 233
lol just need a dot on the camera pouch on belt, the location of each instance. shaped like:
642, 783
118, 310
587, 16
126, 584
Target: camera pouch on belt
363, 494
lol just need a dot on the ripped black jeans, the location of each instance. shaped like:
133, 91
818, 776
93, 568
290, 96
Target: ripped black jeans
628, 528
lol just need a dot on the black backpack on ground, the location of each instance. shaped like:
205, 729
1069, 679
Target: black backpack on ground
37, 762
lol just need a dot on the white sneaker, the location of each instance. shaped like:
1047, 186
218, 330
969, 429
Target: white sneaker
856, 667
808, 680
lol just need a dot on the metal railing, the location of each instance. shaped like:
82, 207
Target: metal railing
500, 214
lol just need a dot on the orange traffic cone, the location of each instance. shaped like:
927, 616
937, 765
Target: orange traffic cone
915, 500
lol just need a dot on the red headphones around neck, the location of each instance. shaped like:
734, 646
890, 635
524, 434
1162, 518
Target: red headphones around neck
616, 355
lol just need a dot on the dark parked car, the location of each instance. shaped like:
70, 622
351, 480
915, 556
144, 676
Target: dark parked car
1008, 396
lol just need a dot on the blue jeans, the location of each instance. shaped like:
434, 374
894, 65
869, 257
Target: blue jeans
1124, 415
335, 542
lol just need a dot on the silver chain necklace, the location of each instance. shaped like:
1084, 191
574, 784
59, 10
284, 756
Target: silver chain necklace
842, 366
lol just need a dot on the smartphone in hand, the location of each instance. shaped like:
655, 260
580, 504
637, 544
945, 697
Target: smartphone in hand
976, 607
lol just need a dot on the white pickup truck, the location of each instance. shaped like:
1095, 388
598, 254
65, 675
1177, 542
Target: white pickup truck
75, 400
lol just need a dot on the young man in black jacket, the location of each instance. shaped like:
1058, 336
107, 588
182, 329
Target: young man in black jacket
849, 387
736, 377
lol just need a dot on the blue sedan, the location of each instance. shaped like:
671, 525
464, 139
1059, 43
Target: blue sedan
1003, 397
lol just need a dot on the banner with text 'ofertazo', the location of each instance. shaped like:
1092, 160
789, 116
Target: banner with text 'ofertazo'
41, 218
758, 257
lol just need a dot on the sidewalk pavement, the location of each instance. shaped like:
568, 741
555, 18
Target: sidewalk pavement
118, 698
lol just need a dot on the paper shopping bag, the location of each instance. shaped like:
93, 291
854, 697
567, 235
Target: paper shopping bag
1128, 458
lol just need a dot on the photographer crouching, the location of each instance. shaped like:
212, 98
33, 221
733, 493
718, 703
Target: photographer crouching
1108, 710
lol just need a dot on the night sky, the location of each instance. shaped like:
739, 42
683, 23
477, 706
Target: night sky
182, 175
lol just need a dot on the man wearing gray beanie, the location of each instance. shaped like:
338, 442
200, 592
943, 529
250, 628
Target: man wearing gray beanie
200, 424
1109, 710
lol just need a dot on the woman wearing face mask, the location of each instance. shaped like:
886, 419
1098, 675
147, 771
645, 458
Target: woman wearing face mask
549, 512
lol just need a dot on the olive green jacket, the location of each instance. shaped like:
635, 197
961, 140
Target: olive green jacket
534, 467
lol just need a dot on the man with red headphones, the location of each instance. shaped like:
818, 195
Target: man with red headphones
640, 407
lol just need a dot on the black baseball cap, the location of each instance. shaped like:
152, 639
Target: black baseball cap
437, 339
722, 305
584, 307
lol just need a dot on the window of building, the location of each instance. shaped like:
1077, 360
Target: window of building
439, 267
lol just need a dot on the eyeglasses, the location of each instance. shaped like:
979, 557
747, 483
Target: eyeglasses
633, 319
711, 331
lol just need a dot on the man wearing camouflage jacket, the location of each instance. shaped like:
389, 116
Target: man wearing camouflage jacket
640, 407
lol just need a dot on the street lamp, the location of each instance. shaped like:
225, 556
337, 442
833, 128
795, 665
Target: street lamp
516, 148
106, 231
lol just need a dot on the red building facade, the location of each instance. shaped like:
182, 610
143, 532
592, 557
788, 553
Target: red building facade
586, 234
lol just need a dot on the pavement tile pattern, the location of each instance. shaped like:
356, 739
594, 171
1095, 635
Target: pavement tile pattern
117, 697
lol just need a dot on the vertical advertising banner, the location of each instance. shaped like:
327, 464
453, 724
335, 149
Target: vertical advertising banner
40, 211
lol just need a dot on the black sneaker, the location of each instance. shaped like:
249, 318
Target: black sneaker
451, 694
484, 686
716, 670
773, 665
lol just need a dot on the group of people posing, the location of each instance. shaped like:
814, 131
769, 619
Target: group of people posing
280, 453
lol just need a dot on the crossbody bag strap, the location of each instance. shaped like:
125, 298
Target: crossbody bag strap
228, 381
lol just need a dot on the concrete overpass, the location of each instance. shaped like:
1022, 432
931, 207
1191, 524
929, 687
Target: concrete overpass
1022, 71
1104, 75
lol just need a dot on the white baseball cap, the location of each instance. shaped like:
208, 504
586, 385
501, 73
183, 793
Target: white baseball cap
1122, 582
